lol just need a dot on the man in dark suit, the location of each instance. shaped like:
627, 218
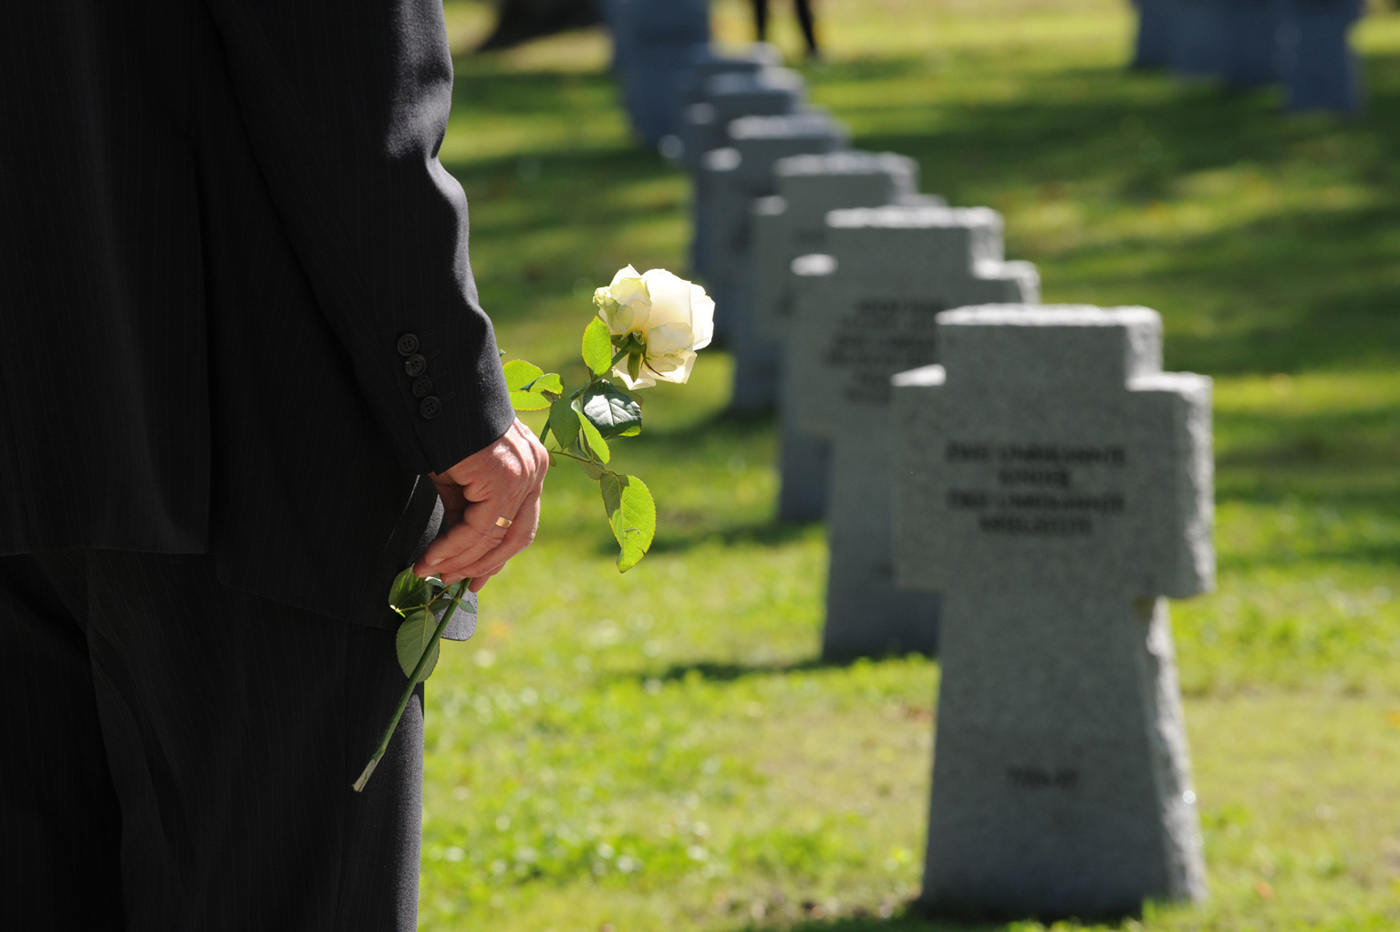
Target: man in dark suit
243, 369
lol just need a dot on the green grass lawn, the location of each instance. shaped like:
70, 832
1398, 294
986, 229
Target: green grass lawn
663, 751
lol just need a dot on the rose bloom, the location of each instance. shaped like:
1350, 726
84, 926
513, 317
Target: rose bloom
668, 319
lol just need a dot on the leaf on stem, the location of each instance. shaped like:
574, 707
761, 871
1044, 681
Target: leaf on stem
614, 412
592, 438
520, 374
563, 421
528, 401
467, 604
408, 591
549, 382
415, 636
597, 346
631, 514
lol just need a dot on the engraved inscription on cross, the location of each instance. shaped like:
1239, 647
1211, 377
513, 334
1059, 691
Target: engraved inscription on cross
1054, 485
789, 224
861, 315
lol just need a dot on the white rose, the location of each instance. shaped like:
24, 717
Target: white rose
661, 319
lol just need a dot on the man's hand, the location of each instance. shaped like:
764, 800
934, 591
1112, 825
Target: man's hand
500, 481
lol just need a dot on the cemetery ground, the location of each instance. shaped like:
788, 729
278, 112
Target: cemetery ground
663, 751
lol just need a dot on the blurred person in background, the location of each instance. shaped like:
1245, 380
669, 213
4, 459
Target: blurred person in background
804, 19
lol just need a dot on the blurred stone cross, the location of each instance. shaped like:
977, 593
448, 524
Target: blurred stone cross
734, 177
723, 99
792, 223
861, 314
1054, 485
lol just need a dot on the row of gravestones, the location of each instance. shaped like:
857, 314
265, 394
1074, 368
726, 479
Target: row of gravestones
1016, 487
1301, 44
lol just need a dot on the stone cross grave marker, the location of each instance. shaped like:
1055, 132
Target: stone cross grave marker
863, 313
704, 128
1054, 486
1155, 34
652, 45
1251, 43
726, 97
789, 224
707, 62
736, 177
1198, 48
1317, 64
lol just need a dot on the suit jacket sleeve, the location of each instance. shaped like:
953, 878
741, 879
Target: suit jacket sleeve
346, 103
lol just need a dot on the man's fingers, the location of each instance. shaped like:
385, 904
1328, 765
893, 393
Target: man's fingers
492, 503
517, 538
465, 543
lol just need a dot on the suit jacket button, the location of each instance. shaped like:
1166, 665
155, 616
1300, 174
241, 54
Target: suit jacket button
408, 344
415, 365
421, 386
430, 407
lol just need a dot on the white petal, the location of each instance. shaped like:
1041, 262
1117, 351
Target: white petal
670, 298
629, 291
669, 338
674, 368
702, 317
625, 272
645, 380
622, 319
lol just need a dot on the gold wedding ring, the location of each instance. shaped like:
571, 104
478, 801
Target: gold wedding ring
503, 522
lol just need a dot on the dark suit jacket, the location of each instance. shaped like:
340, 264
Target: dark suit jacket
236, 310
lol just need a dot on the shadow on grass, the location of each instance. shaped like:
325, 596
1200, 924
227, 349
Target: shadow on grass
672, 538
1283, 291
712, 672
910, 919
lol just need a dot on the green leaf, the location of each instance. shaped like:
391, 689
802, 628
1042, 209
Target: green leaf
408, 591
597, 346
592, 438
612, 411
549, 382
465, 607
519, 374
563, 421
416, 636
528, 401
631, 514
593, 472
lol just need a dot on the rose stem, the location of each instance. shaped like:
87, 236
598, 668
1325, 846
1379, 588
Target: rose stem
359, 784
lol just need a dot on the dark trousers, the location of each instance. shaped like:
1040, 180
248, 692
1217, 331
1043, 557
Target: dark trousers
177, 755
804, 19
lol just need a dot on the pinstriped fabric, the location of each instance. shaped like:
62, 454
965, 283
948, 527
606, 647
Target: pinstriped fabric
216, 219
233, 728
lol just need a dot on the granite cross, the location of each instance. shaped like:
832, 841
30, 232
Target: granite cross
863, 313
734, 178
789, 224
1054, 486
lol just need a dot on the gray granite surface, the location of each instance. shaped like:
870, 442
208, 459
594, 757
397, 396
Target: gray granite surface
789, 224
705, 127
734, 178
653, 45
862, 313
1054, 486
